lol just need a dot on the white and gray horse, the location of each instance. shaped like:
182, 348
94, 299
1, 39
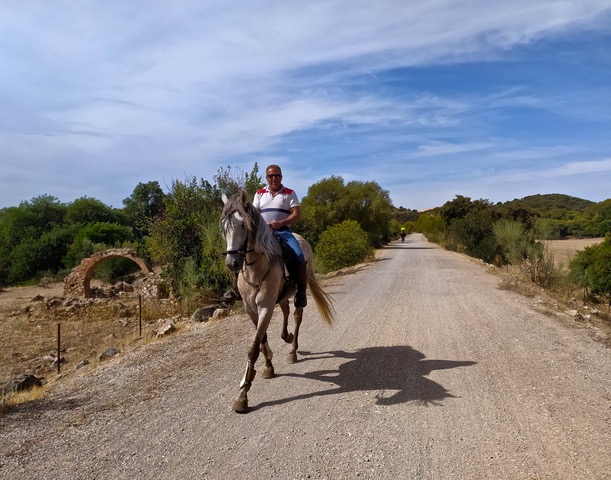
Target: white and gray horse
254, 252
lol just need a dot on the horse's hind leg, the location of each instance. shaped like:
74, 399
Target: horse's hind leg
268, 372
297, 316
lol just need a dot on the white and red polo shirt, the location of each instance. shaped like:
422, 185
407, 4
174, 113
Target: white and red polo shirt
275, 206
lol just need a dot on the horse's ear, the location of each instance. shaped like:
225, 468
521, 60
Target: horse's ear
243, 196
225, 198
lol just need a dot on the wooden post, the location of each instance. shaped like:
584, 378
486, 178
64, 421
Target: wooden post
59, 362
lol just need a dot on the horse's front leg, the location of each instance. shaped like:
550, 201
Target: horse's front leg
268, 354
285, 335
258, 344
297, 316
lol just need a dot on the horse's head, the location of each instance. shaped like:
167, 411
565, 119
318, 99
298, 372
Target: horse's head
235, 227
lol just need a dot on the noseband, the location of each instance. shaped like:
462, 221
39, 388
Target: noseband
241, 252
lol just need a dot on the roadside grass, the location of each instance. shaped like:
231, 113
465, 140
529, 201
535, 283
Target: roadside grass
19, 398
560, 297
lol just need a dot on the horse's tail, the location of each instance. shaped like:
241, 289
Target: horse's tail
322, 299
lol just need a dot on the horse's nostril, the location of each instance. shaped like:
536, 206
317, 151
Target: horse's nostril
232, 263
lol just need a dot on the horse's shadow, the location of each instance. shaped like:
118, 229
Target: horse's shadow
398, 374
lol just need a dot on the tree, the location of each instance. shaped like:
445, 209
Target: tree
323, 206
143, 205
185, 237
34, 257
432, 226
177, 236
230, 182
87, 210
372, 208
96, 237
469, 227
330, 202
25, 225
455, 209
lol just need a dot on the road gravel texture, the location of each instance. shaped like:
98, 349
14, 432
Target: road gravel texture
431, 371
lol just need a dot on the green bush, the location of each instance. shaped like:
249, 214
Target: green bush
520, 248
591, 270
342, 245
113, 270
103, 234
431, 226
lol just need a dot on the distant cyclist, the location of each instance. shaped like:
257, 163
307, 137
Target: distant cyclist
403, 234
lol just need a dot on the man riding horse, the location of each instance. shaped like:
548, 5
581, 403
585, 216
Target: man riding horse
279, 207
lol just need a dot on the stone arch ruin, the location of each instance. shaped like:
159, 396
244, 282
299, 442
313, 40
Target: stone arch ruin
78, 283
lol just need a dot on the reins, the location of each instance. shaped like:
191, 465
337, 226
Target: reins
250, 264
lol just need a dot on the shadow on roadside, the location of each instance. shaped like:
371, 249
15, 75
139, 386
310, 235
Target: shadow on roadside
397, 373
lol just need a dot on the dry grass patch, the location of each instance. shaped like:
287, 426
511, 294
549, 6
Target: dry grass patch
28, 344
19, 398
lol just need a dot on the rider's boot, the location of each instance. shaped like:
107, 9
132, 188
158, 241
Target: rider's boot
301, 300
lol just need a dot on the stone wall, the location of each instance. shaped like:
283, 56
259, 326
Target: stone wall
78, 283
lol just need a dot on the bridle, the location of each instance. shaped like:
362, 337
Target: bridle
242, 251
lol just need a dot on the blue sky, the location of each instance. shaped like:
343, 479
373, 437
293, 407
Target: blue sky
430, 99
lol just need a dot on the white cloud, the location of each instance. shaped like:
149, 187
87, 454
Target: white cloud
186, 87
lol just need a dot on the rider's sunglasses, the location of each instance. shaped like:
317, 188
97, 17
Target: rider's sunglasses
274, 175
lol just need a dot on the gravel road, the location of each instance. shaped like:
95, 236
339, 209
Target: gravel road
430, 372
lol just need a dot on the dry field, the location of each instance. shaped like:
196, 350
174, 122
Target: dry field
28, 342
564, 250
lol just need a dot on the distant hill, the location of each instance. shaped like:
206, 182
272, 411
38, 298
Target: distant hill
553, 205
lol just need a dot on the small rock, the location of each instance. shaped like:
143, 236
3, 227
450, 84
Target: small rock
82, 364
220, 313
108, 353
54, 302
203, 314
167, 328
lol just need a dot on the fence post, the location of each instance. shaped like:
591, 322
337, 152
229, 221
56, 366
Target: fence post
59, 360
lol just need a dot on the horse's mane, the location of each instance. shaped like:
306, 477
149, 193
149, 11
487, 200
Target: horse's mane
260, 236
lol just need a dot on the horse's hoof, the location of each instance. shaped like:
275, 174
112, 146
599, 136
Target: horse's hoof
240, 405
269, 372
289, 338
291, 358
